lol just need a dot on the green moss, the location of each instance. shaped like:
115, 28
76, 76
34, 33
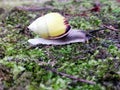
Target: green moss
96, 60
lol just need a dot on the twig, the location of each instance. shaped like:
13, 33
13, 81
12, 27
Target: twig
90, 33
32, 8
67, 75
110, 27
97, 30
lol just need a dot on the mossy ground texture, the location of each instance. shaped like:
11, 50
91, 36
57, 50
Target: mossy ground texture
98, 60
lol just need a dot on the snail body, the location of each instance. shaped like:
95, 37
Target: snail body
50, 26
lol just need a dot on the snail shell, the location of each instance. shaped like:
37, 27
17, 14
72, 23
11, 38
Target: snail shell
50, 26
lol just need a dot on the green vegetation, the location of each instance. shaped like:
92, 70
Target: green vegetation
98, 60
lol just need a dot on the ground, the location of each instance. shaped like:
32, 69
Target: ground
34, 68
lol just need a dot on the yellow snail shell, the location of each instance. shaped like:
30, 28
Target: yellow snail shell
50, 26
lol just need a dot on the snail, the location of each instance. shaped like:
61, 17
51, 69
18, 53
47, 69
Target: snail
50, 26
